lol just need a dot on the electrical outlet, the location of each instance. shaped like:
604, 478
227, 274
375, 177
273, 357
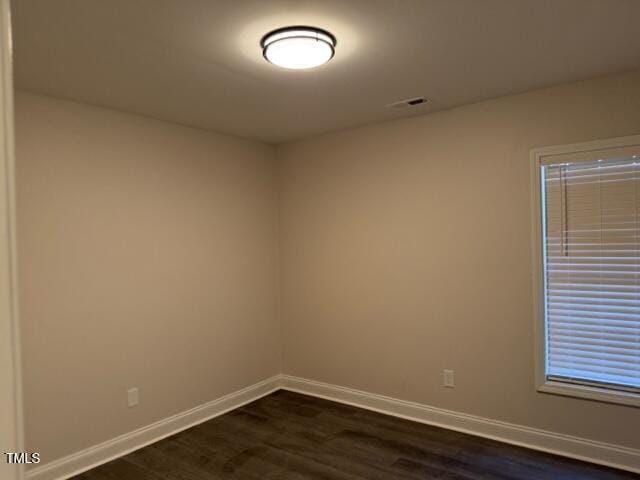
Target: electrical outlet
448, 378
132, 397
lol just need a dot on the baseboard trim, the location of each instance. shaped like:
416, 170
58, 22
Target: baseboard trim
574, 447
91, 457
568, 446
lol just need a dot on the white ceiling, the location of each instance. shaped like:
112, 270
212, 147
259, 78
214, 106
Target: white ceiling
198, 62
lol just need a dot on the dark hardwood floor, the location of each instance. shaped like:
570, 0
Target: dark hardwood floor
291, 436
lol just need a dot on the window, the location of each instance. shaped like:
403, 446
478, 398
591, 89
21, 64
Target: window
587, 264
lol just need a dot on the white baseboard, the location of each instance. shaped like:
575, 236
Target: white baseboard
579, 448
556, 443
98, 454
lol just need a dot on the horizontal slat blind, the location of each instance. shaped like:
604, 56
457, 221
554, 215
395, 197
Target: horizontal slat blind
592, 271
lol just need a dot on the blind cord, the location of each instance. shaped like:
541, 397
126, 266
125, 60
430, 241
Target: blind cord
564, 236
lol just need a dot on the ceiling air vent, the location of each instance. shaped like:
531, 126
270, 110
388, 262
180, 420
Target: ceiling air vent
410, 102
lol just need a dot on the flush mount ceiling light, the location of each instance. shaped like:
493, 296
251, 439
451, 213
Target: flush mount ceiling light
298, 47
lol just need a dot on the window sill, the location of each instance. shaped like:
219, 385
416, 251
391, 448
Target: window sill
590, 393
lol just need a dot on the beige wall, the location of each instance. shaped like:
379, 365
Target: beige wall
147, 258
407, 250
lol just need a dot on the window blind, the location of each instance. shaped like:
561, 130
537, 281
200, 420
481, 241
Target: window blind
592, 272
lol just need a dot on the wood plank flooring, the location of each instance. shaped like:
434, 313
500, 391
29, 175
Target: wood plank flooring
291, 436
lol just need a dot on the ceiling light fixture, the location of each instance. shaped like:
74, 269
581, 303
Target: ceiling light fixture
298, 47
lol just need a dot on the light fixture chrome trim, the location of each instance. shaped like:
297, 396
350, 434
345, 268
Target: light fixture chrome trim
298, 32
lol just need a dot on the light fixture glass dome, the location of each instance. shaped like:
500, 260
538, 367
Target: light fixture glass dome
298, 47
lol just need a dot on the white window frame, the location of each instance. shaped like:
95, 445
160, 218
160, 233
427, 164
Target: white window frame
540, 156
